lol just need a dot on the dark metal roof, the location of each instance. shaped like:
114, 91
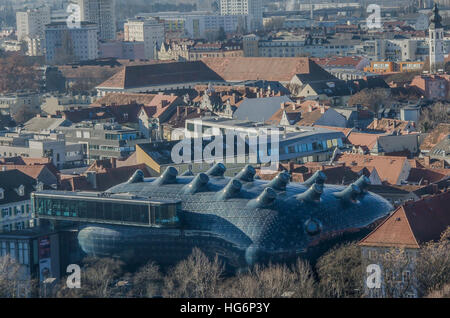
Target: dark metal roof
10, 181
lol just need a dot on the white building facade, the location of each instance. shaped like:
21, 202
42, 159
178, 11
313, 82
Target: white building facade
32, 23
31, 29
101, 12
436, 41
150, 31
78, 44
252, 8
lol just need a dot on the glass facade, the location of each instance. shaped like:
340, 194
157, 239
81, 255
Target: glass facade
107, 211
314, 146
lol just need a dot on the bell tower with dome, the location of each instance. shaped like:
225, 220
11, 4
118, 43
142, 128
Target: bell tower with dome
436, 41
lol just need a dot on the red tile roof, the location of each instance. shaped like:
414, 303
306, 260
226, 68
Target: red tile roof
339, 61
106, 176
32, 171
307, 113
412, 224
435, 136
363, 139
391, 125
424, 175
30, 162
124, 99
389, 168
280, 69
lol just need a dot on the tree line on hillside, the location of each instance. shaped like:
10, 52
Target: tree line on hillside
18, 73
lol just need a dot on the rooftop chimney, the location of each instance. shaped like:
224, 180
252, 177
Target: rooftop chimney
322, 109
427, 161
91, 177
113, 163
282, 106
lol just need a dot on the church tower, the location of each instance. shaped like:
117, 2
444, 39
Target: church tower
436, 34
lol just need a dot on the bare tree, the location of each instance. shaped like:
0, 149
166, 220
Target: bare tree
98, 278
9, 277
373, 99
14, 281
147, 281
23, 115
434, 115
398, 278
433, 265
273, 281
295, 89
339, 272
196, 277
18, 73
444, 292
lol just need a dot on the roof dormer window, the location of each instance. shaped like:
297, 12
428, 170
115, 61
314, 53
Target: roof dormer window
2, 194
21, 190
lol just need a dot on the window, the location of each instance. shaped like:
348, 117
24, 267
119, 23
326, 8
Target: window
406, 276
5, 212
21, 190
2, 194
3, 250
12, 250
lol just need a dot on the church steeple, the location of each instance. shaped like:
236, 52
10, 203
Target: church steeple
436, 19
436, 41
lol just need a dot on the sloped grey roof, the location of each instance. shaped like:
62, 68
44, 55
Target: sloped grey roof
442, 149
44, 123
259, 109
11, 180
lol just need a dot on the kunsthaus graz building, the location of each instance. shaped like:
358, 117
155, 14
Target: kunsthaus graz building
243, 220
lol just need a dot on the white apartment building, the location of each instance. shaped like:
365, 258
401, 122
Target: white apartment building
32, 23
196, 25
150, 31
252, 8
31, 29
36, 46
64, 44
289, 45
101, 12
